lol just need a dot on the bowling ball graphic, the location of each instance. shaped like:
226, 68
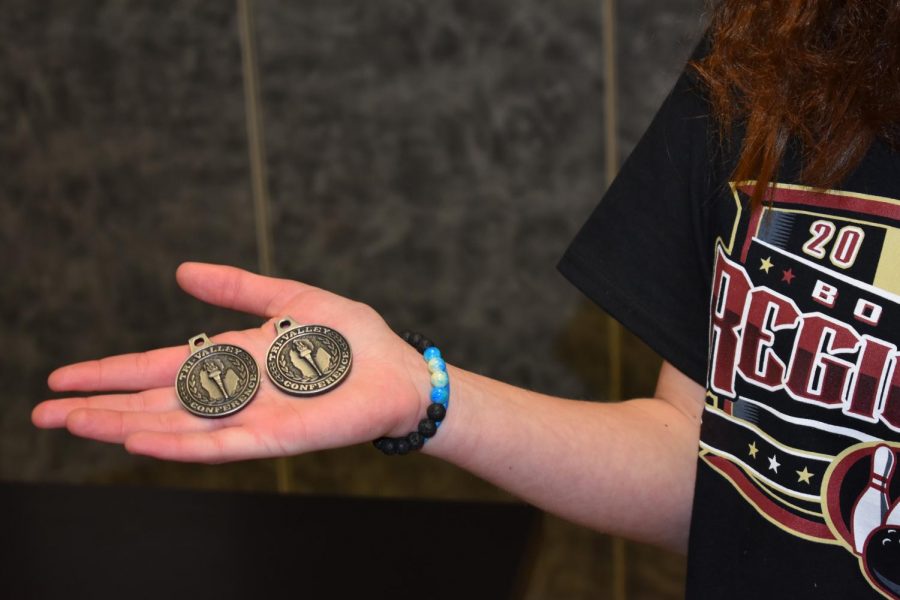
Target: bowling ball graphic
845, 481
881, 558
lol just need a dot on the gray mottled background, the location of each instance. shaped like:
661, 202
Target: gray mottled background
429, 158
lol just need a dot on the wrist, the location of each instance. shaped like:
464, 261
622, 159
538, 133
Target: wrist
438, 398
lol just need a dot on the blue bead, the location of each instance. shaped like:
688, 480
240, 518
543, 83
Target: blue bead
437, 364
430, 353
440, 394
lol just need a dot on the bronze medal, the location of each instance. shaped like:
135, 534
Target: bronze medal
307, 359
216, 379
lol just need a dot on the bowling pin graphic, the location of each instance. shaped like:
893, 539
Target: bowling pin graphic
893, 517
873, 504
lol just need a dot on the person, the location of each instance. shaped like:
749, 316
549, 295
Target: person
750, 238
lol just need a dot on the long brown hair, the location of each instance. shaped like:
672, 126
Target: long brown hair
821, 73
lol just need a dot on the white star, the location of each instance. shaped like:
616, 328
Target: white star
773, 464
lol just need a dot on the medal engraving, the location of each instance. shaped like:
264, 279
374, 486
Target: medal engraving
307, 359
217, 379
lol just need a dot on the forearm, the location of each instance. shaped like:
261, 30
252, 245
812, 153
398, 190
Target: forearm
626, 468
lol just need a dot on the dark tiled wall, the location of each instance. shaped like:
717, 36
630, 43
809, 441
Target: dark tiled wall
123, 153
429, 158
654, 41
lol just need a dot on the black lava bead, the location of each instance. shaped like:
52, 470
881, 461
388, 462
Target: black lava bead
427, 427
436, 412
402, 446
389, 446
416, 440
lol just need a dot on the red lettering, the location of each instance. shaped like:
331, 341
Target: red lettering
758, 363
890, 414
730, 289
815, 373
870, 371
745, 325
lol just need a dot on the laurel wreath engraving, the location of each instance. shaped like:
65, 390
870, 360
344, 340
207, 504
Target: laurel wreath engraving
286, 366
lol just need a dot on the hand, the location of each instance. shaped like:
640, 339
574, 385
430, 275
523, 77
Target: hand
383, 394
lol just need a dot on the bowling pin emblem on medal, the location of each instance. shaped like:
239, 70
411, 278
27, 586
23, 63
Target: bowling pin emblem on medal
216, 379
307, 359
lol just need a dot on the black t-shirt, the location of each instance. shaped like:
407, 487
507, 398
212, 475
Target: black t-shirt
789, 314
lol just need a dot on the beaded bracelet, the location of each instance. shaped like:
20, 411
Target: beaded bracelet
440, 398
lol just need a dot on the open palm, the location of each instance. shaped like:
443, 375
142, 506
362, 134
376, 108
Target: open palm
382, 395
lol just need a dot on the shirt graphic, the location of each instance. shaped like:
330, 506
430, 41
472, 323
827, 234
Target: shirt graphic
803, 393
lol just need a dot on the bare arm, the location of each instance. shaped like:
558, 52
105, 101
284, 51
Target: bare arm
626, 468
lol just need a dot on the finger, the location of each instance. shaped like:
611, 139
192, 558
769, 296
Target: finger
237, 289
222, 445
132, 372
53, 413
115, 426
126, 372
